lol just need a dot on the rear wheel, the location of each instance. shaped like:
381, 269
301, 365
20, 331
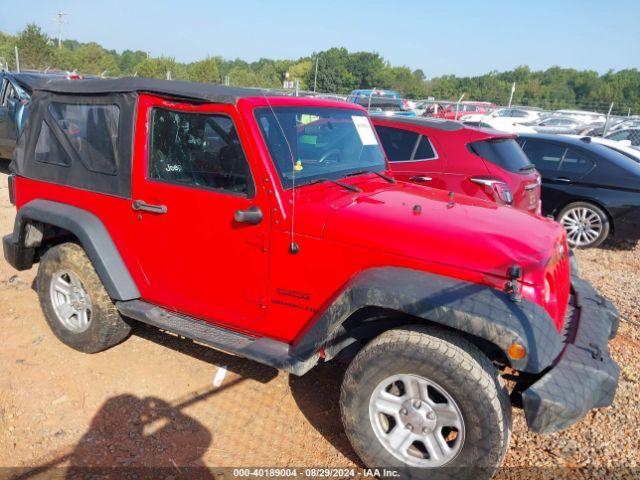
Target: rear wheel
586, 224
428, 404
75, 303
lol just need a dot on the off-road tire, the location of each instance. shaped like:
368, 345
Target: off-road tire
106, 328
604, 219
453, 363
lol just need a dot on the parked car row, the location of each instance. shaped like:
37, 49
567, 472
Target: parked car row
272, 227
482, 163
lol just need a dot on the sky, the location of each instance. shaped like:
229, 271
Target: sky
459, 37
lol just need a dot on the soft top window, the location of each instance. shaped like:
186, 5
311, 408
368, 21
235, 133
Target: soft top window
92, 131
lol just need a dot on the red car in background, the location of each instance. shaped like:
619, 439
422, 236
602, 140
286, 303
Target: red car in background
449, 111
450, 156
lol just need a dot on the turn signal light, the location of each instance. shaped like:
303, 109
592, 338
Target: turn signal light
516, 351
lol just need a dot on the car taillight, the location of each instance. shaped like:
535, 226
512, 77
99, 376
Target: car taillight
498, 189
12, 189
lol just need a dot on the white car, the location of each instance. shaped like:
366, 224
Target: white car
581, 116
511, 115
503, 124
623, 146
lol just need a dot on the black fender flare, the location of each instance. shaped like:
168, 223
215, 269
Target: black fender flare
475, 309
92, 235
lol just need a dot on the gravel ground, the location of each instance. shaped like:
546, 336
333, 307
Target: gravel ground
152, 400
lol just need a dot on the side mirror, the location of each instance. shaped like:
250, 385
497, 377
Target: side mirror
251, 216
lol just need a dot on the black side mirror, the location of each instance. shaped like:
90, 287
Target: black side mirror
252, 216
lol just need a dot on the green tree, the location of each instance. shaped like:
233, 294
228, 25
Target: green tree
205, 71
91, 58
35, 48
129, 60
333, 72
158, 68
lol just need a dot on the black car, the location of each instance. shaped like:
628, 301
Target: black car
593, 190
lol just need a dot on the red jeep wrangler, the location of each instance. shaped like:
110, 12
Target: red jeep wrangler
270, 227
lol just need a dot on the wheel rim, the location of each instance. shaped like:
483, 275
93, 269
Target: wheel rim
583, 226
416, 420
71, 303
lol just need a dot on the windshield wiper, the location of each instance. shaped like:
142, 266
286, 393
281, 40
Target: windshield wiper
531, 166
381, 175
351, 188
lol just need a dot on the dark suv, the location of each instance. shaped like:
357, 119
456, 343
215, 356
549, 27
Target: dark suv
271, 227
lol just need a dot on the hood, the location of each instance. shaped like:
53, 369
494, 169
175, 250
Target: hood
422, 223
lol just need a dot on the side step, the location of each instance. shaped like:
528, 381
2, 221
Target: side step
263, 350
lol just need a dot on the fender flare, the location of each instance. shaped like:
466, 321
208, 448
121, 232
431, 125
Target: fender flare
475, 309
93, 237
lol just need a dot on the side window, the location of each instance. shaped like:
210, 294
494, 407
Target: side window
398, 144
49, 150
8, 92
425, 150
621, 135
199, 150
545, 156
576, 163
92, 131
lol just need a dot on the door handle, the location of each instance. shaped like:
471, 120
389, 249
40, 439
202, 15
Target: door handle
420, 178
563, 179
250, 216
142, 206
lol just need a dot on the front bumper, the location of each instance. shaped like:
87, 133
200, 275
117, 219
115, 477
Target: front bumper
584, 376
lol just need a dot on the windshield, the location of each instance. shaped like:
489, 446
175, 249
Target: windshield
312, 143
503, 152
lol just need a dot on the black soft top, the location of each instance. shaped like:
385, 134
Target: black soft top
80, 133
204, 92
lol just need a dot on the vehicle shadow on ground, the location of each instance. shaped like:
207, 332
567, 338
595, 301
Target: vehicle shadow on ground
619, 245
142, 437
317, 395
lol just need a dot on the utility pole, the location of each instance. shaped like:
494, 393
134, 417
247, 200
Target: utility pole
60, 19
315, 77
17, 59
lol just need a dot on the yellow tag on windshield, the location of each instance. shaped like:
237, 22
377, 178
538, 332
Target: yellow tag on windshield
298, 166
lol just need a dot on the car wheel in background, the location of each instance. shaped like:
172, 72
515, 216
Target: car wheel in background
586, 224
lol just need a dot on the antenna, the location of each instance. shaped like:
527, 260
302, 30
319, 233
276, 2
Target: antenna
294, 248
59, 18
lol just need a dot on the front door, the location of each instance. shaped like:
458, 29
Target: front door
202, 241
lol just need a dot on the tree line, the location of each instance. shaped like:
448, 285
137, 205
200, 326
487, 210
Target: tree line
338, 71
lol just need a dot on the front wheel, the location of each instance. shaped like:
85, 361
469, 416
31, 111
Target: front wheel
586, 224
428, 404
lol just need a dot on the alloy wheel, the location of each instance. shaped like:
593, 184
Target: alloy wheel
71, 303
583, 226
416, 420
